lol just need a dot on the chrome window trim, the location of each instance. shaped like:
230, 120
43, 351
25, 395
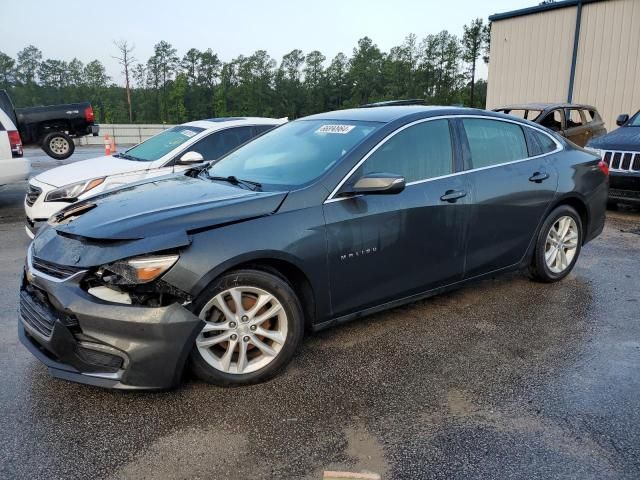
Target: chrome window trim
49, 278
331, 198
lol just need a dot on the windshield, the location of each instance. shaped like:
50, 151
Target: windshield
636, 121
294, 154
159, 145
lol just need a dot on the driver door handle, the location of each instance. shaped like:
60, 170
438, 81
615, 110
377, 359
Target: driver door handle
452, 196
539, 177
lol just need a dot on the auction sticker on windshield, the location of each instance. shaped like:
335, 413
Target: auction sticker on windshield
341, 129
188, 133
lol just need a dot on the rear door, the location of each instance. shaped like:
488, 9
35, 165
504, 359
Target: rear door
385, 247
512, 183
577, 129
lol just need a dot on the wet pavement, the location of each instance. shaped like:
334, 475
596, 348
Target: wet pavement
505, 378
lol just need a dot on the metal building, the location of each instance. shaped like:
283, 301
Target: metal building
581, 51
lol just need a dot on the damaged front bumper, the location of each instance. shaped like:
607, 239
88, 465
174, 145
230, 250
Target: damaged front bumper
84, 339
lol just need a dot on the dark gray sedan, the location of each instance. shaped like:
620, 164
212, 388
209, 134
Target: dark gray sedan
320, 221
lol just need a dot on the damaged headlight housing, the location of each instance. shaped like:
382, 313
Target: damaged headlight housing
69, 193
138, 270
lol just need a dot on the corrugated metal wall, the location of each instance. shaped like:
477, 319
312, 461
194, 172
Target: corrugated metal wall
531, 58
608, 62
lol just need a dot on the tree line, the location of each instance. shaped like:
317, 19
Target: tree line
440, 68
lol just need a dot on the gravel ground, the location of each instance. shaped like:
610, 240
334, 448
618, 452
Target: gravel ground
502, 379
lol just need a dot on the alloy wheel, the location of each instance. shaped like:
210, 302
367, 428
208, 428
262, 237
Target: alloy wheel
561, 244
245, 329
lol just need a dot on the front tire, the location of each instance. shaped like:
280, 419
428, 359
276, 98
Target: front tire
58, 145
254, 324
558, 245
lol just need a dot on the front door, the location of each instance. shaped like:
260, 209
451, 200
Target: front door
386, 247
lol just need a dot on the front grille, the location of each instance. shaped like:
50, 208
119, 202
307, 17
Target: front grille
53, 269
619, 161
37, 312
32, 195
106, 361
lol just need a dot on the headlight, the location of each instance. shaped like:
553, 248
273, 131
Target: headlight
595, 151
138, 270
71, 192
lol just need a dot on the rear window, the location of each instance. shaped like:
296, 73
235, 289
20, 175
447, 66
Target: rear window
493, 142
158, 146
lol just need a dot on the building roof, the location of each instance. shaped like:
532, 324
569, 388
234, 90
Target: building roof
539, 8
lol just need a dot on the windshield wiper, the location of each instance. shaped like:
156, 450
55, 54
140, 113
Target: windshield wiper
237, 181
127, 157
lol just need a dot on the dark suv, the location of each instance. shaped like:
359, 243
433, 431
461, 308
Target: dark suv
620, 150
319, 221
578, 123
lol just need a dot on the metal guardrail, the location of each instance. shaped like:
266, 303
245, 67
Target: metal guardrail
124, 134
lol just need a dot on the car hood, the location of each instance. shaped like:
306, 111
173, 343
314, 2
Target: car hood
89, 169
175, 203
623, 138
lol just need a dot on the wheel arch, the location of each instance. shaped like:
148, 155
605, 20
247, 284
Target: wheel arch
573, 200
579, 205
46, 128
284, 266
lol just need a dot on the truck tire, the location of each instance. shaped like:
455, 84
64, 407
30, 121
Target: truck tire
58, 145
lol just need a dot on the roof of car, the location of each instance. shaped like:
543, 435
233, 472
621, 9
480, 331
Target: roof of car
224, 122
543, 106
389, 114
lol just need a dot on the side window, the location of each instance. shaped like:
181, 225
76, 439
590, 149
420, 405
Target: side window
417, 153
492, 142
589, 115
553, 120
235, 137
539, 143
260, 129
574, 119
220, 143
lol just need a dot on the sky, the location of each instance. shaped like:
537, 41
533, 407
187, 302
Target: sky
87, 30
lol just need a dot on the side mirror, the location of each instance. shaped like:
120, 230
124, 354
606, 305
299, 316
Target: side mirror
190, 157
622, 119
377, 184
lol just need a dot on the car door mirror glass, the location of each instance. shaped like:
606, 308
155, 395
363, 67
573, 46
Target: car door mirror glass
377, 184
190, 157
622, 119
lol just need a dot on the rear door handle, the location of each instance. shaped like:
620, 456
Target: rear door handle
452, 196
539, 177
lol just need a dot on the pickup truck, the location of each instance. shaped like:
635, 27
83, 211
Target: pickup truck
52, 127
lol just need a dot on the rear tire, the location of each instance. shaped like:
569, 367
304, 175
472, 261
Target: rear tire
58, 145
558, 245
252, 343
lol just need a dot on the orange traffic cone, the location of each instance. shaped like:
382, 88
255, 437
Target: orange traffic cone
113, 145
107, 145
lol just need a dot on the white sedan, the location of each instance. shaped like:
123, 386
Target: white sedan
173, 150
13, 166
